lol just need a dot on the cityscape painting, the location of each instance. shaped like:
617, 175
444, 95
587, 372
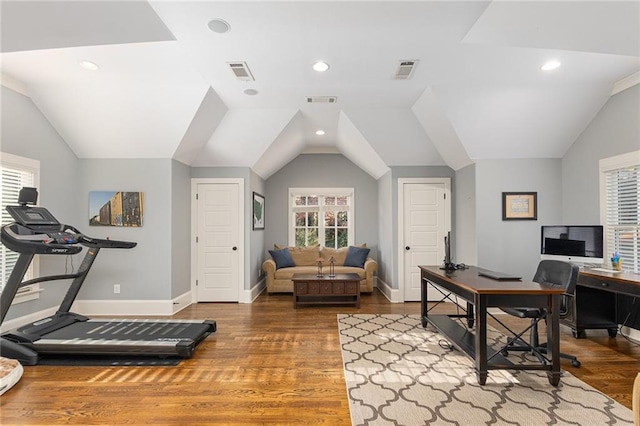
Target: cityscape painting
115, 208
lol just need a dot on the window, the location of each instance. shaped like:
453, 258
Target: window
620, 207
321, 216
16, 172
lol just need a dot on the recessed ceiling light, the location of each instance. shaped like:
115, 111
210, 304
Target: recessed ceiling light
319, 132
551, 65
250, 92
88, 65
320, 66
219, 26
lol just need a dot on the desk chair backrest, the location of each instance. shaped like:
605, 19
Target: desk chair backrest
557, 273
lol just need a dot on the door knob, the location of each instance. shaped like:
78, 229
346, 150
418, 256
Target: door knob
407, 248
234, 248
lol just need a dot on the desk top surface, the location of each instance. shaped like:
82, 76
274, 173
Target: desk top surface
470, 280
626, 277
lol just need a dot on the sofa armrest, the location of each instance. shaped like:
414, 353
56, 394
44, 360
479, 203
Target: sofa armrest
370, 266
269, 267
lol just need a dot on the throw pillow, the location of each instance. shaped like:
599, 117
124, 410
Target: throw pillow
356, 256
282, 258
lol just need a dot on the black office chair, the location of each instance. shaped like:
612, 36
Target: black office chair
554, 273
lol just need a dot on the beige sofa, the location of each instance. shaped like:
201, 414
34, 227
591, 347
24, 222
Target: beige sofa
305, 259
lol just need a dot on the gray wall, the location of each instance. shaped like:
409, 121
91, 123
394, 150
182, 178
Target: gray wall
465, 245
27, 133
256, 239
614, 131
385, 229
513, 246
144, 272
180, 228
321, 171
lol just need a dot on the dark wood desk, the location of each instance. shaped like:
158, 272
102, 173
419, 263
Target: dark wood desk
480, 293
602, 300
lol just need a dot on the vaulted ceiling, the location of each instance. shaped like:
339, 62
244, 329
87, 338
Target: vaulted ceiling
164, 87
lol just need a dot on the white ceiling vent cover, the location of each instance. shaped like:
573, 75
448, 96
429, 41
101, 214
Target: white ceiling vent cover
322, 99
405, 69
241, 71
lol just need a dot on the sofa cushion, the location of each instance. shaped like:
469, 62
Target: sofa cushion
287, 273
356, 256
282, 258
303, 256
338, 255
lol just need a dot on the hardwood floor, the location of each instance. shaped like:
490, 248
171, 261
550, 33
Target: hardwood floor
267, 364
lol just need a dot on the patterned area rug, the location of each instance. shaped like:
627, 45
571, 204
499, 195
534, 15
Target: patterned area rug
398, 373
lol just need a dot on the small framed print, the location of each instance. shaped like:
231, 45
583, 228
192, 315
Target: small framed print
519, 206
258, 211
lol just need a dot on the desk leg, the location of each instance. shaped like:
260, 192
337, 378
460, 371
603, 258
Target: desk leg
423, 301
553, 337
470, 314
481, 339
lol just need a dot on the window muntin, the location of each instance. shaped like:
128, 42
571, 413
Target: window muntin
321, 216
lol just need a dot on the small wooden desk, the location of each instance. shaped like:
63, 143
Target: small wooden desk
480, 293
602, 300
340, 289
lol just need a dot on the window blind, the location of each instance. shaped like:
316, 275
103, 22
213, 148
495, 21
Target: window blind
622, 209
13, 178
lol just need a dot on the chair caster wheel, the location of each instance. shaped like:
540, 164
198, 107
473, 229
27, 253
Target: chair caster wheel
575, 363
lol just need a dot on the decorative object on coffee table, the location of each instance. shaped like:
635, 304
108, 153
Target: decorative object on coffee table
332, 267
319, 262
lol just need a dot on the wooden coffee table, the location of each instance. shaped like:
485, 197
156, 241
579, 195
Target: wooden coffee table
340, 289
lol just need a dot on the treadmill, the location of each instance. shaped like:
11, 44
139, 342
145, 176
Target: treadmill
36, 231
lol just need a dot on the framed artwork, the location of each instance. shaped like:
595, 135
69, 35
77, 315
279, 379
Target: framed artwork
519, 206
258, 211
115, 208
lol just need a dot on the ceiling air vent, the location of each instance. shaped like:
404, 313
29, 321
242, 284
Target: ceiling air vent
322, 99
241, 71
405, 69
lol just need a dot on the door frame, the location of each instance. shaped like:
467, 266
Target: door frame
400, 239
194, 232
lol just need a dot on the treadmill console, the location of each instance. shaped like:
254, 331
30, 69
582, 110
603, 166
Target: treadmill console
32, 216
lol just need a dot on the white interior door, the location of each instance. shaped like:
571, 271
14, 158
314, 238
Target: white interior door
425, 221
218, 242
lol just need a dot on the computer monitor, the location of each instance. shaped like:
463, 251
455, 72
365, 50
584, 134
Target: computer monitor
573, 243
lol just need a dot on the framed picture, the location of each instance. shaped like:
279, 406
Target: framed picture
258, 211
115, 208
519, 206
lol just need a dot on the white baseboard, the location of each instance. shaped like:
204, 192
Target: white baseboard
392, 294
132, 307
248, 296
181, 302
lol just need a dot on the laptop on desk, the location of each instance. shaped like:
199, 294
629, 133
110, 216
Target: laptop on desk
500, 276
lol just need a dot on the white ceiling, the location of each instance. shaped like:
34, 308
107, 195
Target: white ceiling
164, 89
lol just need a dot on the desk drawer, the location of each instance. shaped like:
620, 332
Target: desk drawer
608, 285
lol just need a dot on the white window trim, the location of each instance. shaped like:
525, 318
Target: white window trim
606, 165
32, 291
294, 192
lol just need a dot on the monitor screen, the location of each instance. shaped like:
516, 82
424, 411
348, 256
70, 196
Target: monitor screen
574, 243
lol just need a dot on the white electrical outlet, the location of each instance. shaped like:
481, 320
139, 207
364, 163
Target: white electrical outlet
116, 288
